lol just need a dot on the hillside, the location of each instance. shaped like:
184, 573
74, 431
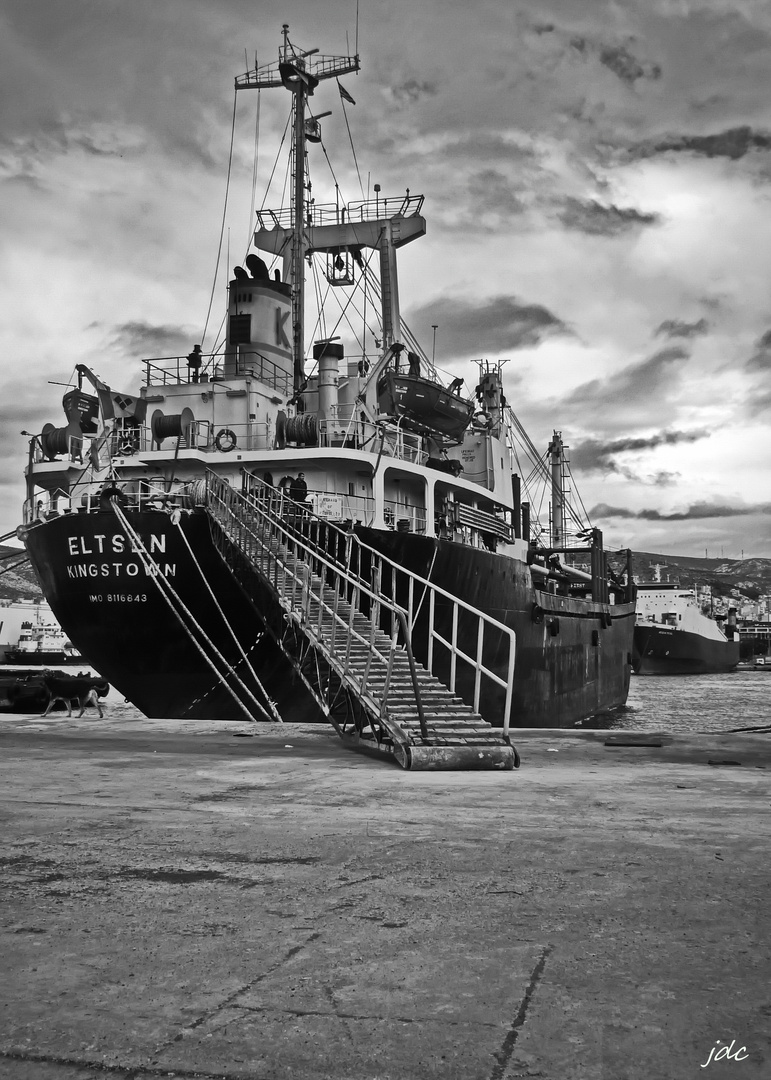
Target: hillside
19, 583
752, 577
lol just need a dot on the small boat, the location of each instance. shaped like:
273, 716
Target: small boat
42, 644
673, 635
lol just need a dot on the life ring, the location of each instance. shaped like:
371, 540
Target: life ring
126, 449
482, 420
225, 440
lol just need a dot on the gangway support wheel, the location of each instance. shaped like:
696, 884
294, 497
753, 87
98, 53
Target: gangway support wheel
460, 757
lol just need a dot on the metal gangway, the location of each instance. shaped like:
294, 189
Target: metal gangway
344, 615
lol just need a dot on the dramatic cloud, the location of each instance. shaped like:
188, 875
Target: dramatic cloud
627, 67
733, 144
758, 368
139, 339
491, 194
635, 384
412, 90
495, 327
590, 216
761, 360
674, 328
759, 403
697, 511
615, 58
595, 455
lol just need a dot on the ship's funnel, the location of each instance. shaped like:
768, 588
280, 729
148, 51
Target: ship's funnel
260, 328
328, 355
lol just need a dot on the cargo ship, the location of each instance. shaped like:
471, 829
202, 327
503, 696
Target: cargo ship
325, 530
674, 636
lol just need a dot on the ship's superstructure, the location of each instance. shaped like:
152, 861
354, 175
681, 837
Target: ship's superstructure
281, 529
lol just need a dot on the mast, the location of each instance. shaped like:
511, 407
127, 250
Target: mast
298, 218
557, 491
300, 75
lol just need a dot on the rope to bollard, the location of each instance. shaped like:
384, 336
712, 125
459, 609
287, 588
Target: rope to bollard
153, 571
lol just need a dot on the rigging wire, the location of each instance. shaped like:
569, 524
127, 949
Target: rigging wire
255, 162
319, 327
540, 473
275, 163
350, 139
329, 163
274, 260
577, 493
224, 214
347, 304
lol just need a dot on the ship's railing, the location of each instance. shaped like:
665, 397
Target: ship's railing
123, 441
402, 516
399, 206
319, 214
471, 652
352, 433
89, 496
253, 363
344, 433
171, 370
156, 493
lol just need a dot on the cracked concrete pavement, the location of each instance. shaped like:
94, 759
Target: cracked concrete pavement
181, 901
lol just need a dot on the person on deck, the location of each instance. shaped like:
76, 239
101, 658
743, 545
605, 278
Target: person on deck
298, 489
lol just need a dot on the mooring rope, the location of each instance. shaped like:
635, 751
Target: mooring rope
153, 571
276, 715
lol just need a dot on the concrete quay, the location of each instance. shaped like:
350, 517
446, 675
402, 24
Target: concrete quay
179, 901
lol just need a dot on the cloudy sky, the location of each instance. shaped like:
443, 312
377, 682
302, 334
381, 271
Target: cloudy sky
598, 196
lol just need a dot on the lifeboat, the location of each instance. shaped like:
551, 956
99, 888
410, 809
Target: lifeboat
422, 405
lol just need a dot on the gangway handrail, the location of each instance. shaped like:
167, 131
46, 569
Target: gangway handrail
227, 497
254, 483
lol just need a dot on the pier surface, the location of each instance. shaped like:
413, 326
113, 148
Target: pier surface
181, 901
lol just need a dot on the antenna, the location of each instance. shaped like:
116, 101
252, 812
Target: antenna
356, 41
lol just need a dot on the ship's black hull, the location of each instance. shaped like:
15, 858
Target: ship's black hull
573, 656
665, 651
115, 613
